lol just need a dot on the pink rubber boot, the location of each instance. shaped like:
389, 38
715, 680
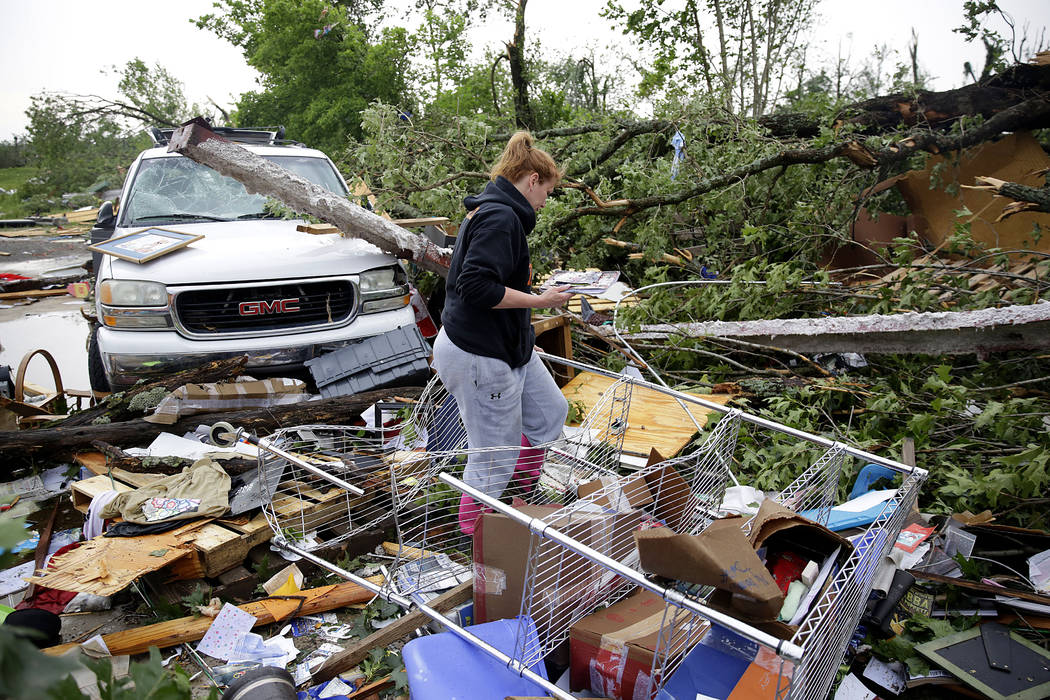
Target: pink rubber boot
530, 462
469, 513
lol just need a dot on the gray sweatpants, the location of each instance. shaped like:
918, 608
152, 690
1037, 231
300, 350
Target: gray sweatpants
498, 404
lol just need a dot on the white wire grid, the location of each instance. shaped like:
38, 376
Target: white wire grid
311, 512
558, 568
435, 523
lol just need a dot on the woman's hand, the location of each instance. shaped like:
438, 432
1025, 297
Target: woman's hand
550, 299
554, 297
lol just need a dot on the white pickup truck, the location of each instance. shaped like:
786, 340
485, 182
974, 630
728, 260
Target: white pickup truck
252, 285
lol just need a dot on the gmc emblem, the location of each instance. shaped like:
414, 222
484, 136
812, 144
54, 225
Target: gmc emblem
277, 306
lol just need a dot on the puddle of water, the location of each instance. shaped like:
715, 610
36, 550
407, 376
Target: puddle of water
62, 333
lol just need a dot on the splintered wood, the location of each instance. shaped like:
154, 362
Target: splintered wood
655, 420
106, 565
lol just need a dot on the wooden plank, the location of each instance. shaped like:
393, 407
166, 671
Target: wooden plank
84, 490
402, 627
983, 587
107, 565
95, 462
33, 293
138, 640
654, 419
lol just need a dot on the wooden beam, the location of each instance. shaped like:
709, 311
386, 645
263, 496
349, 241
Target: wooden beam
138, 640
402, 627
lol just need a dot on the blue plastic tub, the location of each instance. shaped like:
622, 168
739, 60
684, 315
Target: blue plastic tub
445, 667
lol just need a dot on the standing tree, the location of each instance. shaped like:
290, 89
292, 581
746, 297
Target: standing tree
740, 51
321, 62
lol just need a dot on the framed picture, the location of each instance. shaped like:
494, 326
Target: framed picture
145, 244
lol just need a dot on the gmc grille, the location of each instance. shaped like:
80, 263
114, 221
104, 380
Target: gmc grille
218, 311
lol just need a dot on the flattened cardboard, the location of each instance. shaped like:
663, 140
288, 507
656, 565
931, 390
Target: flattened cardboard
721, 556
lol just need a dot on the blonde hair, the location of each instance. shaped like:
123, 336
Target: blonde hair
520, 158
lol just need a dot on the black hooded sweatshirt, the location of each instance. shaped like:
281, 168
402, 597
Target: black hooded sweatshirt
491, 253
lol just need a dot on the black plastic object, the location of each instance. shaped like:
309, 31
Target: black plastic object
266, 683
102, 231
880, 617
398, 357
41, 627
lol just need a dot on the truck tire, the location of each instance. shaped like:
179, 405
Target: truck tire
96, 372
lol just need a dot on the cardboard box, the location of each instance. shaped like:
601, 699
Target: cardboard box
722, 556
502, 549
191, 399
611, 651
662, 493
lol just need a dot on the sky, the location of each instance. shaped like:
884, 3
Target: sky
67, 45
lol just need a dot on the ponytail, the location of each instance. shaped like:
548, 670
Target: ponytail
521, 158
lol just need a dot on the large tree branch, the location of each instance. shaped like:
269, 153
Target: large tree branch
1026, 198
1034, 113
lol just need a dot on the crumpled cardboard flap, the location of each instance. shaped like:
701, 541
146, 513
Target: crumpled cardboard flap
720, 556
772, 518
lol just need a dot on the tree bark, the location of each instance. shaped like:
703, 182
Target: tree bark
922, 107
24, 446
523, 116
115, 407
258, 175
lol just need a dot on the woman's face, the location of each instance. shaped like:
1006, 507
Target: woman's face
537, 190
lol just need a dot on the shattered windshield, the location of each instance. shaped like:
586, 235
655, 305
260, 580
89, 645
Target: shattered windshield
179, 190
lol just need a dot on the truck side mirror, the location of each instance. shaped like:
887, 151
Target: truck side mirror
106, 218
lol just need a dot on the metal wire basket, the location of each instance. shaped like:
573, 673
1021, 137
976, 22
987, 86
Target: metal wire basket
576, 565
307, 508
435, 523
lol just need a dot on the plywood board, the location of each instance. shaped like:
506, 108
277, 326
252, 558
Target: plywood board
654, 420
107, 565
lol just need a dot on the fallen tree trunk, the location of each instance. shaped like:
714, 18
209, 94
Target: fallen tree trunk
948, 332
116, 407
22, 446
261, 176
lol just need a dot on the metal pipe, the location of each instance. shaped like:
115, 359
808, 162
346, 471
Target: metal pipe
538, 526
407, 603
750, 418
264, 443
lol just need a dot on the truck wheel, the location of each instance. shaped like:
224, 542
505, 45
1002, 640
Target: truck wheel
96, 373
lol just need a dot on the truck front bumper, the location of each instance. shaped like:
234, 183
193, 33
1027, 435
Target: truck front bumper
129, 356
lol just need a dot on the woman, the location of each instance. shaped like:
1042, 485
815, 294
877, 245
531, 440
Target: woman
484, 352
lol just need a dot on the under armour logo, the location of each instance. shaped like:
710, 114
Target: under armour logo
496, 395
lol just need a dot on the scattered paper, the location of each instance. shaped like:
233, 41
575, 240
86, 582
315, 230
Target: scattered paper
1039, 570
225, 632
169, 445
864, 502
912, 536
852, 689
335, 688
891, 676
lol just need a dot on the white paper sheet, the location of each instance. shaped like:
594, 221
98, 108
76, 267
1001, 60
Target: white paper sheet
865, 501
226, 631
169, 445
852, 689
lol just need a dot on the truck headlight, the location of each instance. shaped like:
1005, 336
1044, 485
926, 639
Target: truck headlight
132, 293
383, 289
134, 304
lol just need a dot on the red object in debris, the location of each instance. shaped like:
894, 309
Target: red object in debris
10, 277
423, 320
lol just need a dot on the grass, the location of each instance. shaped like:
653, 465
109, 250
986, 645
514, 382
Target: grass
12, 179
